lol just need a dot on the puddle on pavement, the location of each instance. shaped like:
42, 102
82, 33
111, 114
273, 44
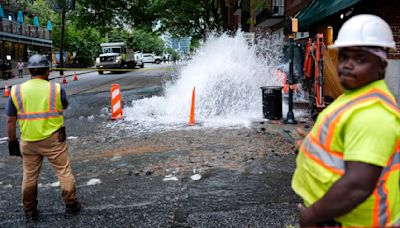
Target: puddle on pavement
227, 75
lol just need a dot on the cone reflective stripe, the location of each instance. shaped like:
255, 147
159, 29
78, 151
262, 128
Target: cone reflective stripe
191, 120
116, 105
6, 90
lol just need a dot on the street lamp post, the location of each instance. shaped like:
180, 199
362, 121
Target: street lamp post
290, 116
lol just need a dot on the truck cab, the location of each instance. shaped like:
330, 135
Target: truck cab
115, 56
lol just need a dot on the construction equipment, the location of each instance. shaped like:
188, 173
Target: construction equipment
315, 52
320, 76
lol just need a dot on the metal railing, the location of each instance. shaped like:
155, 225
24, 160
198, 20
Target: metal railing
23, 29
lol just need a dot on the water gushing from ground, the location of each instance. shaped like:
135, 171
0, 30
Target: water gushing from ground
227, 74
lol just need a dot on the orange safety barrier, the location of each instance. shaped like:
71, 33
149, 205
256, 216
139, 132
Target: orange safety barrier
116, 104
6, 90
75, 77
191, 119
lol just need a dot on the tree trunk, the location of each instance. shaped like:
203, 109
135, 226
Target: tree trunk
252, 16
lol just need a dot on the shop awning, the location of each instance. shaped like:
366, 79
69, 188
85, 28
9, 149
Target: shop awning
319, 9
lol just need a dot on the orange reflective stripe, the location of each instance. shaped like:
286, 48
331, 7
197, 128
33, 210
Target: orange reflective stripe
381, 211
49, 101
322, 157
327, 128
52, 111
38, 116
53, 94
20, 103
328, 150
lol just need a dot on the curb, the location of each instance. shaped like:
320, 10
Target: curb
58, 77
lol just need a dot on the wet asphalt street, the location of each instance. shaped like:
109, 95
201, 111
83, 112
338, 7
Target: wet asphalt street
131, 180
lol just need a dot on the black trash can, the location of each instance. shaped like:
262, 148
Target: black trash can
272, 102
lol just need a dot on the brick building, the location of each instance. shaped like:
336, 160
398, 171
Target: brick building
315, 16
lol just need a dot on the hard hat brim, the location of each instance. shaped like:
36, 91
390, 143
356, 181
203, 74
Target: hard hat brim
391, 47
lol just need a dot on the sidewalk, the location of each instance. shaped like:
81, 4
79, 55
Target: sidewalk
53, 75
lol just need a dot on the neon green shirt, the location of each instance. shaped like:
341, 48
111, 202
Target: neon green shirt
365, 134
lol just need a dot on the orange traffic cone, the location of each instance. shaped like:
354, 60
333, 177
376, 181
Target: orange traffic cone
116, 104
75, 77
6, 90
64, 81
191, 120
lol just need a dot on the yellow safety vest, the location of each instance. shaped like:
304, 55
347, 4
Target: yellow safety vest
39, 108
319, 166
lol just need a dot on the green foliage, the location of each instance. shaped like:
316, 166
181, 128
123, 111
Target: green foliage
85, 42
193, 17
41, 9
138, 40
107, 14
181, 18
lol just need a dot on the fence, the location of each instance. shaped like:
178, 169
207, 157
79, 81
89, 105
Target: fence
23, 29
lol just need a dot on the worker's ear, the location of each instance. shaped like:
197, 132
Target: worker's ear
382, 68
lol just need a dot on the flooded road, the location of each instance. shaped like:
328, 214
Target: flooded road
232, 169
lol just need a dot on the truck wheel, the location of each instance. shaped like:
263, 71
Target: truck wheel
142, 66
158, 61
101, 72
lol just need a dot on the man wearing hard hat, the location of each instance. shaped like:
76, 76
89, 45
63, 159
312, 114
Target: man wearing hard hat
348, 165
37, 104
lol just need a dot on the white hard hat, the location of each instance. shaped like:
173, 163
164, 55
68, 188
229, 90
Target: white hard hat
365, 30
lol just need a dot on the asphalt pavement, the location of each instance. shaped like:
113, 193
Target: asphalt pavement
192, 177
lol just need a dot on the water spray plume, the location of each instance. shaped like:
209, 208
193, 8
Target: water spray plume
191, 120
228, 74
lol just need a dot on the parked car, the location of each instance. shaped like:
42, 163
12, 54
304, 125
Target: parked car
151, 58
139, 59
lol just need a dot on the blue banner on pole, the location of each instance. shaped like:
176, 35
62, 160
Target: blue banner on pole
49, 26
36, 22
1, 11
20, 17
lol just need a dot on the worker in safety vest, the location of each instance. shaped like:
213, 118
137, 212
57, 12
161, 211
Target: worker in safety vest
38, 106
348, 165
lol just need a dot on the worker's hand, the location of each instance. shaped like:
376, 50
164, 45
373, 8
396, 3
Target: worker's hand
306, 217
13, 148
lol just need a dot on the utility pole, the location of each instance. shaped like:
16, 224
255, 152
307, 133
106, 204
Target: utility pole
63, 12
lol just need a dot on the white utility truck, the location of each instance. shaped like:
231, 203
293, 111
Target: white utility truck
117, 56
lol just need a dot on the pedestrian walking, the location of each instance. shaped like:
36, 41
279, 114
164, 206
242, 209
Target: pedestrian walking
20, 68
37, 104
348, 166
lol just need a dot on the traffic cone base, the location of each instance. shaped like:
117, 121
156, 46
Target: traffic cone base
75, 77
64, 81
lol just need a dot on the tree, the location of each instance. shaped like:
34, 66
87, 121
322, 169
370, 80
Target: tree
139, 40
179, 17
105, 15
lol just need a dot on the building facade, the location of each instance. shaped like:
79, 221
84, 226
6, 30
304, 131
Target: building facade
319, 16
18, 40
